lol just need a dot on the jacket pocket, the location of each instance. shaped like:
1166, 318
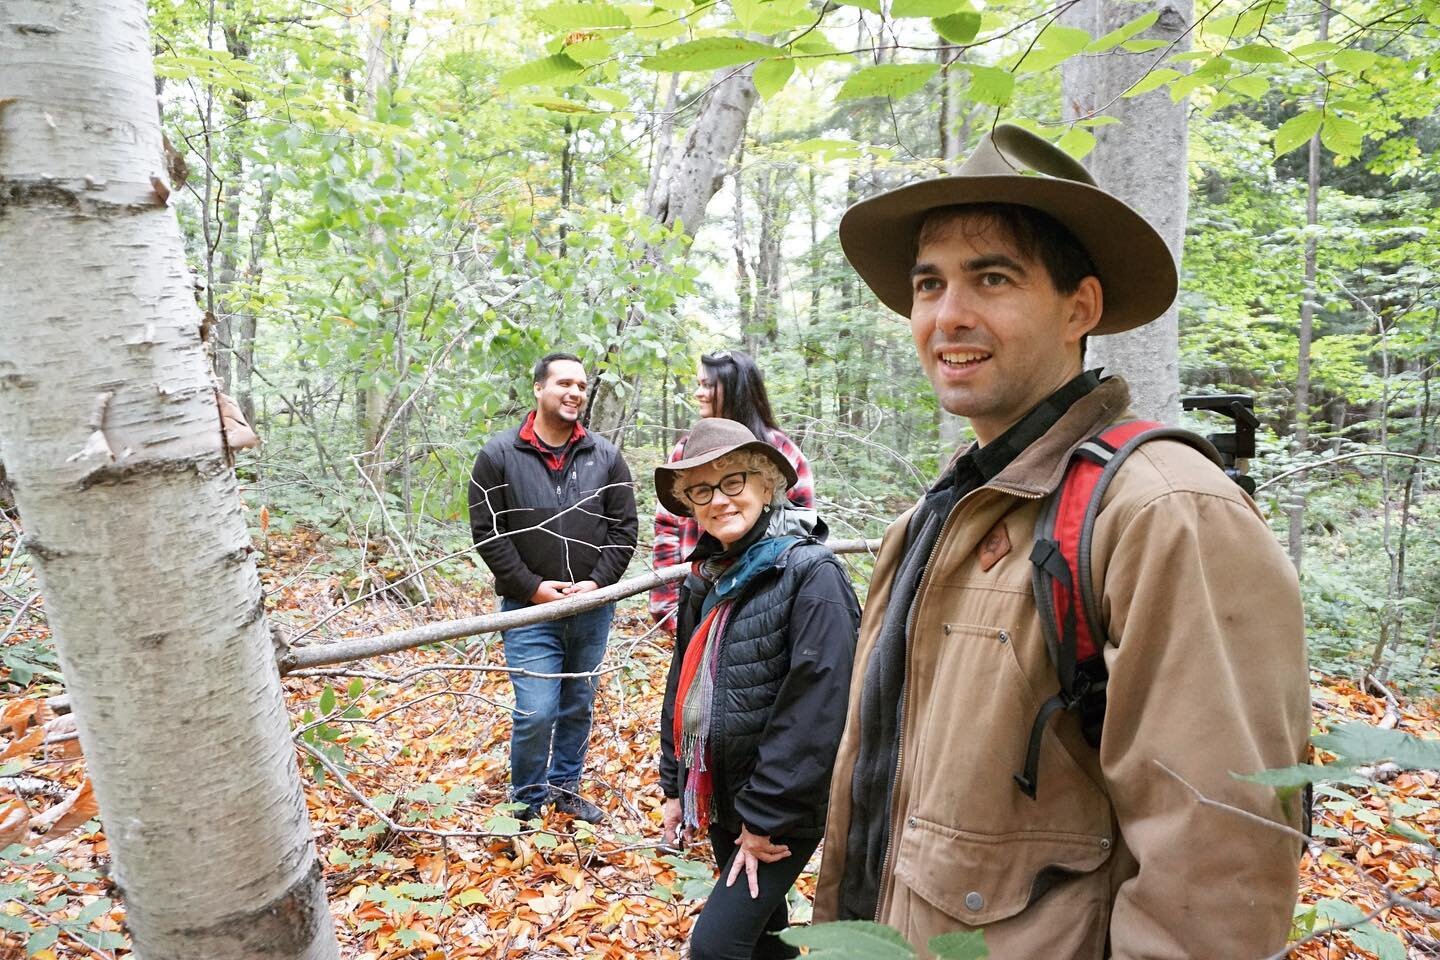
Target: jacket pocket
980, 879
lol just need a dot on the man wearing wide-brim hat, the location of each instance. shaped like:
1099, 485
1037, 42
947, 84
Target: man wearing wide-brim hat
1144, 845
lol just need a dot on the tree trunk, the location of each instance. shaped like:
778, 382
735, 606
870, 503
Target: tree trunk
1141, 160
1301, 439
952, 427
767, 260
111, 435
680, 196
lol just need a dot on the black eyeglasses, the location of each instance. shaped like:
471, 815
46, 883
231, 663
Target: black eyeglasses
731, 484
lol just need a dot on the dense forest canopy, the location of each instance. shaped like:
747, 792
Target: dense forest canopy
394, 208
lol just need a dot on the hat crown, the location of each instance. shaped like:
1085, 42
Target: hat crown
1010, 150
714, 433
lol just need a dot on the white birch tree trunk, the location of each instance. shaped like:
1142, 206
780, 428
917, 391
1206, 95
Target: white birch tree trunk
110, 432
1141, 160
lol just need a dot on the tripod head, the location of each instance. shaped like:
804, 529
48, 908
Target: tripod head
1237, 447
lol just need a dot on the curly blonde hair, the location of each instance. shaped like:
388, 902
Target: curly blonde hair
750, 462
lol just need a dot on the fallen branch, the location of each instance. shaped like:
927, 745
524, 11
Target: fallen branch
367, 647
1391, 720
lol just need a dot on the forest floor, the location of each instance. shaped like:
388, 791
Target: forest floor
423, 860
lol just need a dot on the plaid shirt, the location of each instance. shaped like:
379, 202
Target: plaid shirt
676, 536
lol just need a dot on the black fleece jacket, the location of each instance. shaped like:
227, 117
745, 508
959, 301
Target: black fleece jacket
583, 515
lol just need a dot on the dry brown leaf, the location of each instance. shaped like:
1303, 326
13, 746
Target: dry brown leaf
26, 744
16, 715
70, 812
14, 823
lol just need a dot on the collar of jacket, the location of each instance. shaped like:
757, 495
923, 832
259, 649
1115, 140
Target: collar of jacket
581, 443
1038, 469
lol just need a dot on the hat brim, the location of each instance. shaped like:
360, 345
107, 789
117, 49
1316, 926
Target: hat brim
1135, 267
665, 475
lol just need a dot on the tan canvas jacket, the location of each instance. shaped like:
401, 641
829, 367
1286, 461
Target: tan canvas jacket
1147, 848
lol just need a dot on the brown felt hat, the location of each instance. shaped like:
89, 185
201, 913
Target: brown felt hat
1013, 165
710, 439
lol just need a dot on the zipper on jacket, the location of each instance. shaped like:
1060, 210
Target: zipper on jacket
884, 893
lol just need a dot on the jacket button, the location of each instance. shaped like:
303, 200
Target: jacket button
1105, 844
1004, 636
946, 628
909, 821
974, 902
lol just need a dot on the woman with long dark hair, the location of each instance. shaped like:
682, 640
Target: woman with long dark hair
729, 386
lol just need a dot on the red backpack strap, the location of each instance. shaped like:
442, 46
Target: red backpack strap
1065, 597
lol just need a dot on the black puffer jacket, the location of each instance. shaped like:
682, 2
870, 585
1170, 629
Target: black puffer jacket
781, 689
585, 514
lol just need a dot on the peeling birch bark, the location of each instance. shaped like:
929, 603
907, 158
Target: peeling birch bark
110, 435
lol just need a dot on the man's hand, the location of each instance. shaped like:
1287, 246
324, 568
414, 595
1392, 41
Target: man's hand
670, 813
580, 586
754, 849
549, 591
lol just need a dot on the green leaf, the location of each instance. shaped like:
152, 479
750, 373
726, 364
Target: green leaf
1252, 85
589, 51
560, 105
872, 5
959, 945
1400, 829
711, 53
850, 940
1354, 61
504, 826
14, 924
746, 13
357, 687
1342, 136
327, 700
1320, 48
614, 98
928, 8
1077, 142
581, 16
1296, 776
1152, 81
1258, 53
551, 71
1297, 130
958, 28
772, 75
41, 939
1370, 937
94, 911
1054, 46
1122, 33
990, 85
1361, 743
894, 80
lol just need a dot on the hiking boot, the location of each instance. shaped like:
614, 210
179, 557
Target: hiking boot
531, 811
579, 808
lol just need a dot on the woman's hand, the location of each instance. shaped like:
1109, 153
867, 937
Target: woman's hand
754, 849
670, 812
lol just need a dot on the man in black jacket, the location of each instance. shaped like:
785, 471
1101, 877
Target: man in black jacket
552, 512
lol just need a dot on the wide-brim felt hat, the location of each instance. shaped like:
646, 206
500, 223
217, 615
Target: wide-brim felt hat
1013, 165
710, 439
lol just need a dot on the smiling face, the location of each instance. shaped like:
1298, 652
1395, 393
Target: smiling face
706, 392
993, 333
560, 400
728, 518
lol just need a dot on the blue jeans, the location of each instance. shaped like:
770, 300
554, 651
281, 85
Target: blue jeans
551, 720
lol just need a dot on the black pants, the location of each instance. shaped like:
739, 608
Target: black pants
734, 927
